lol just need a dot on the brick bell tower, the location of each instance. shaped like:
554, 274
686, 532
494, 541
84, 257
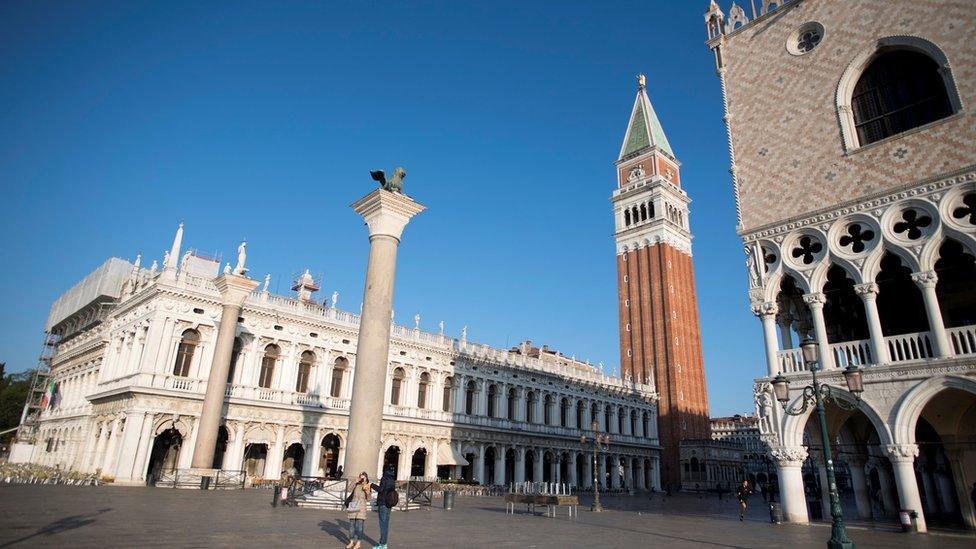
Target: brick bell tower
660, 341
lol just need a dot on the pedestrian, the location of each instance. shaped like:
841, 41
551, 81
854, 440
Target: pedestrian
338, 473
742, 492
386, 499
356, 505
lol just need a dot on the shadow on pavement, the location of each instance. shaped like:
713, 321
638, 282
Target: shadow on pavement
61, 525
340, 531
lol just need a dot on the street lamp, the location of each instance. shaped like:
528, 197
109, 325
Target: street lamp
817, 395
599, 440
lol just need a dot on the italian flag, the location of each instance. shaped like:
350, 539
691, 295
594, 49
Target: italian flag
48, 398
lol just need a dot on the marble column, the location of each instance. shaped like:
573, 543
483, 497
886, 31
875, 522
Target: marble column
785, 322
499, 479
862, 499
386, 214
815, 302
615, 472
789, 464
519, 465
902, 457
234, 289
766, 311
869, 296
131, 444
927, 281
430, 466
479, 466
537, 466
571, 469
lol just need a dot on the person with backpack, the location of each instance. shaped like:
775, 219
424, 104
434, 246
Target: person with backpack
356, 506
386, 499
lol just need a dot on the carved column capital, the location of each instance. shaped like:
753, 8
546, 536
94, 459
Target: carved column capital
815, 300
925, 279
901, 452
789, 456
868, 290
764, 308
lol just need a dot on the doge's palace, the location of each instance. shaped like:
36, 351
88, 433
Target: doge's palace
134, 345
853, 159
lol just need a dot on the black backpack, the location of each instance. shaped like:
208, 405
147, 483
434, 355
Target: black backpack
392, 498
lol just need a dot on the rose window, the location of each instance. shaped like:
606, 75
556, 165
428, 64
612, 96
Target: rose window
806, 249
808, 40
857, 238
912, 223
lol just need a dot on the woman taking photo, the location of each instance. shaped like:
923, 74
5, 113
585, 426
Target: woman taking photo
356, 506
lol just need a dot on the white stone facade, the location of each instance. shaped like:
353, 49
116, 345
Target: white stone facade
131, 387
864, 243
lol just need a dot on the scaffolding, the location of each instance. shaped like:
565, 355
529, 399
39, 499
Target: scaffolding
29, 418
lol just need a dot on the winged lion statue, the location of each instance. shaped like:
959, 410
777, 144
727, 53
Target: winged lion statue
394, 183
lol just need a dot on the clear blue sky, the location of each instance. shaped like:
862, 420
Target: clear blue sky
261, 120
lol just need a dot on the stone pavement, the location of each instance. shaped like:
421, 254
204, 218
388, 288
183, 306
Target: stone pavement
108, 516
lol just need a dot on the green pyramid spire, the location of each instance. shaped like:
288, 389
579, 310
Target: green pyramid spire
645, 129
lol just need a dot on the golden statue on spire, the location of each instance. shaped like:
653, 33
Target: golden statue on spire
641, 81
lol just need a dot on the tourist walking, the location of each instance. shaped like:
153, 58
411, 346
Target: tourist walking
742, 492
386, 499
356, 506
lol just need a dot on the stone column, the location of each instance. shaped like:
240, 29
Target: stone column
430, 467
108, 466
571, 470
789, 464
499, 479
537, 466
628, 473
587, 480
902, 457
816, 303
927, 281
615, 472
601, 469
386, 214
785, 321
234, 290
276, 451
310, 463
859, 483
519, 465
766, 311
403, 464
958, 455
234, 461
887, 490
131, 443
478, 473
869, 295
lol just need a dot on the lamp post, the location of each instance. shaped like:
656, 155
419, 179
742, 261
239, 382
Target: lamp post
817, 394
599, 441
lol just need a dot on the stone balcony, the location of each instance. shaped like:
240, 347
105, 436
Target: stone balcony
902, 349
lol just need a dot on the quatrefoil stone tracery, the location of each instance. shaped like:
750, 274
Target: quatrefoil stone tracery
912, 224
856, 238
966, 211
806, 249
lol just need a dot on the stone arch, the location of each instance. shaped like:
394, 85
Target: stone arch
794, 426
872, 265
819, 276
165, 423
910, 406
860, 62
931, 250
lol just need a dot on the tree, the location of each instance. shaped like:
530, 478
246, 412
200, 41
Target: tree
14, 389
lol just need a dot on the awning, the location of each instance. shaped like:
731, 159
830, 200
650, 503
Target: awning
447, 454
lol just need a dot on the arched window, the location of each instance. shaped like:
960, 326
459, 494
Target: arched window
338, 371
547, 410
492, 394
627, 217
447, 403
530, 407
304, 371
620, 420
633, 422
422, 390
235, 355
512, 402
579, 415
643, 212
271, 354
469, 397
899, 90
184, 355
398, 375
563, 412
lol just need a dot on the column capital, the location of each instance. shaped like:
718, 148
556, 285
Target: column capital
868, 290
234, 289
764, 308
901, 452
789, 456
386, 213
815, 300
925, 279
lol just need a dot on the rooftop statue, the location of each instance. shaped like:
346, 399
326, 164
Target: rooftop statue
394, 184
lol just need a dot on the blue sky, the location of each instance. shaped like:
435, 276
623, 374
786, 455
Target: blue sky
261, 120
